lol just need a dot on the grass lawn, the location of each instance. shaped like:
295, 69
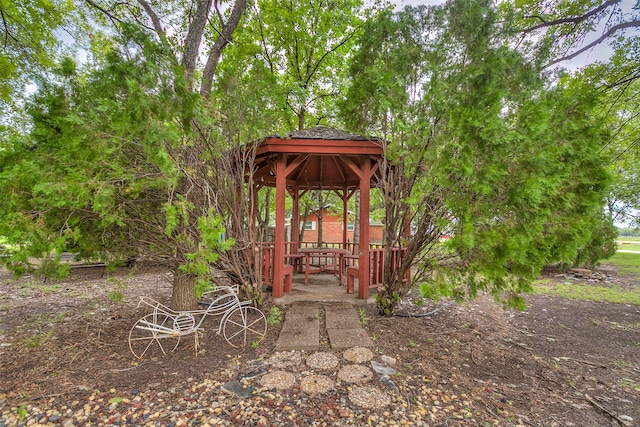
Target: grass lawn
626, 263
629, 246
629, 243
588, 292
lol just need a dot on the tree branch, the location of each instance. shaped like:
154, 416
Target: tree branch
6, 27
330, 51
157, 25
626, 80
574, 20
221, 42
220, 18
263, 41
103, 10
7, 32
600, 39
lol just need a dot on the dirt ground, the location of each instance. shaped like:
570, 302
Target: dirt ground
559, 363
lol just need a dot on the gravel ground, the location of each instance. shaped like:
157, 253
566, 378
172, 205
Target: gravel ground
292, 389
64, 361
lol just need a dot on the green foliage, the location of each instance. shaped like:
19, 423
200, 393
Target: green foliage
109, 167
601, 246
385, 68
275, 316
38, 339
116, 294
52, 268
512, 159
387, 302
363, 318
212, 241
556, 31
118, 155
29, 42
94, 173
418, 301
619, 110
21, 412
296, 52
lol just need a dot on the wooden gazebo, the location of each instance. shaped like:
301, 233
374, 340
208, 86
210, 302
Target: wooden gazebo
317, 158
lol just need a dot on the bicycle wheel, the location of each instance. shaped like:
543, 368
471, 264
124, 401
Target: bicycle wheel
153, 335
243, 326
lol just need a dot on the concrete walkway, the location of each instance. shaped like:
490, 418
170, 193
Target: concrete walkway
303, 322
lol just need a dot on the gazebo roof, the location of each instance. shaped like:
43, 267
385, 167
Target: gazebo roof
326, 132
317, 158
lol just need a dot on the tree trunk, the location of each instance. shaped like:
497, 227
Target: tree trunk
263, 217
320, 215
194, 37
305, 216
356, 221
183, 296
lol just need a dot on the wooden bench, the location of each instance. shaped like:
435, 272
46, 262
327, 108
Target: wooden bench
287, 273
352, 272
295, 260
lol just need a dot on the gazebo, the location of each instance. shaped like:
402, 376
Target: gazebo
318, 158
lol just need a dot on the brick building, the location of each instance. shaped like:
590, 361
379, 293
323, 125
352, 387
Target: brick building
332, 227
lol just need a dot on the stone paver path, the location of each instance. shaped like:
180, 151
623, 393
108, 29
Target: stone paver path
301, 328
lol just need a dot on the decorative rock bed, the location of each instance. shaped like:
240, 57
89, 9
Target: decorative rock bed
285, 359
358, 355
279, 380
314, 384
320, 373
322, 361
356, 374
369, 397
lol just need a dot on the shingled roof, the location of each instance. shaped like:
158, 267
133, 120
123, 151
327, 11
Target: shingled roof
325, 132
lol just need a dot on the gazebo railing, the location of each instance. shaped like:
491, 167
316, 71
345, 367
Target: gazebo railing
376, 259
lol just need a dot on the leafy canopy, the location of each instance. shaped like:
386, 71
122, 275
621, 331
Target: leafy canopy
505, 159
99, 173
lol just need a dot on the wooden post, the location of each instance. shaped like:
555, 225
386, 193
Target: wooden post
363, 261
295, 221
295, 228
278, 250
345, 216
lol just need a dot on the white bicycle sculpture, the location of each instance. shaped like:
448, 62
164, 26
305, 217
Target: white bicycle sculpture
241, 324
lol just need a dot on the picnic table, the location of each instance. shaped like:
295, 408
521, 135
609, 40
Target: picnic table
336, 265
